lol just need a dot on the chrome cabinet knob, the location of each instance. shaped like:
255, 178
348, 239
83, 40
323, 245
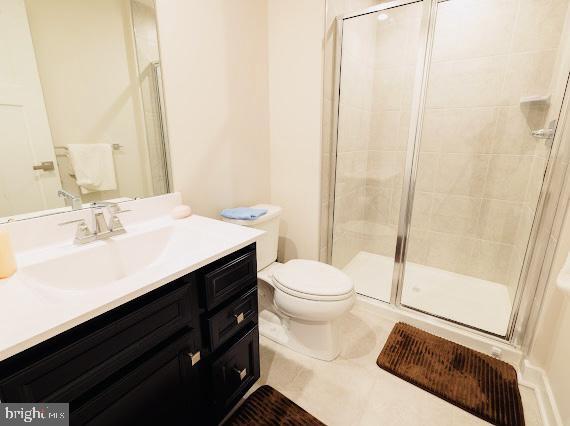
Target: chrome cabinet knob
241, 373
239, 317
194, 357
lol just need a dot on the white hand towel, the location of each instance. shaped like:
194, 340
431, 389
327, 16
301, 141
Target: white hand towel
93, 166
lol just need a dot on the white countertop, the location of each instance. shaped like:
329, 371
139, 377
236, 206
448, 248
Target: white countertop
31, 313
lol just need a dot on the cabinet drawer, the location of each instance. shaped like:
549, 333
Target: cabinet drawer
238, 315
228, 276
156, 390
235, 371
125, 334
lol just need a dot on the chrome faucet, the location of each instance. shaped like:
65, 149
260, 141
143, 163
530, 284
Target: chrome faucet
73, 200
101, 228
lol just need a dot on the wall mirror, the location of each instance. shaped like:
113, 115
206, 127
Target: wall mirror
81, 105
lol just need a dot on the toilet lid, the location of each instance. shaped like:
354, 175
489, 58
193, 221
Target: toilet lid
313, 278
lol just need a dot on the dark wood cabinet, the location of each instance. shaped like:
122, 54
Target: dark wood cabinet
159, 388
184, 353
234, 371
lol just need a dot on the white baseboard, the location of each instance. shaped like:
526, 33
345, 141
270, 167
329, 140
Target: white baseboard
535, 378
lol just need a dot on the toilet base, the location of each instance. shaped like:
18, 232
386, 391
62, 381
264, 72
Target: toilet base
317, 340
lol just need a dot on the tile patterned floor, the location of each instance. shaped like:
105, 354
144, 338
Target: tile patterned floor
352, 390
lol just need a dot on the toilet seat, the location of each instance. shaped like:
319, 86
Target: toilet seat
312, 280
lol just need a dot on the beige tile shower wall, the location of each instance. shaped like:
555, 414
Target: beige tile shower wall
480, 171
395, 58
334, 8
354, 130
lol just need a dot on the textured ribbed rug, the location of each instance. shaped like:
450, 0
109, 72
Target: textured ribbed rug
268, 407
475, 382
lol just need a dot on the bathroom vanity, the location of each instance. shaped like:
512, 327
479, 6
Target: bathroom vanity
186, 352
182, 349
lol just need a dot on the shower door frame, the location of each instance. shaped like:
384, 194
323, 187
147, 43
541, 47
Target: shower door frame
518, 321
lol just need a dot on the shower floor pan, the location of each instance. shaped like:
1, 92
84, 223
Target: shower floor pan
482, 304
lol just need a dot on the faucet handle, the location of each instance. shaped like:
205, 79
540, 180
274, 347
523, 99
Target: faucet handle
83, 233
115, 224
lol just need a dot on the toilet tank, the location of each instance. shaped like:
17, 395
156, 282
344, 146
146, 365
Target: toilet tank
267, 243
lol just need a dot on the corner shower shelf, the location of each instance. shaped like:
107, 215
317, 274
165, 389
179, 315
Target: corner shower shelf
535, 100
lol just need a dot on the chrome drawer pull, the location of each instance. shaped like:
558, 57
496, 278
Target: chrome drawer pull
194, 357
239, 317
242, 373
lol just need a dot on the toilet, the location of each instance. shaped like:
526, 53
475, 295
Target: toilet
301, 301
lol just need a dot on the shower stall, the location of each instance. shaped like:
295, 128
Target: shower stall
444, 120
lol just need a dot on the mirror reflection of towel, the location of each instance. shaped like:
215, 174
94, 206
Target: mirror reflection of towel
93, 166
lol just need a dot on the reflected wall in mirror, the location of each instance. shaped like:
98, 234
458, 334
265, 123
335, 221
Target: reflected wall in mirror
81, 104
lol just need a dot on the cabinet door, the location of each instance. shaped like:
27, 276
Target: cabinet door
107, 344
235, 371
160, 389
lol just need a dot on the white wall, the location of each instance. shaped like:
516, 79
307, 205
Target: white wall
551, 348
243, 83
214, 56
296, 36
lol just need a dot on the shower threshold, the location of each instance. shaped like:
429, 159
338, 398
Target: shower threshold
478, 303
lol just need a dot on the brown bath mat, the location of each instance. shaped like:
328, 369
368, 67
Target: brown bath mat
475, 382
268, 407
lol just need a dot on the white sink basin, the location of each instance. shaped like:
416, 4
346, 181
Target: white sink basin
100, 263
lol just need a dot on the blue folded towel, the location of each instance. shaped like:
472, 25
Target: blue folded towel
243, 213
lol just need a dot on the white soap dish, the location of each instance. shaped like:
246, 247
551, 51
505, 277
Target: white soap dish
181, 212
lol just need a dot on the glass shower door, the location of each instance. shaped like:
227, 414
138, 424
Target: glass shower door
479, 169
377, 71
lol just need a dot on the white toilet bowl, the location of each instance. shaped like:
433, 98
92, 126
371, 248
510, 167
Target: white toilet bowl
308, 297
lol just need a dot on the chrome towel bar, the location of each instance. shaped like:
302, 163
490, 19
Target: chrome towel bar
115, 147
